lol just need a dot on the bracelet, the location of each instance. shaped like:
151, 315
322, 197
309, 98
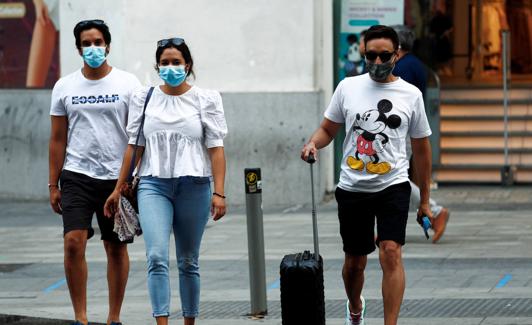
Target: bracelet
218, 194
52, 185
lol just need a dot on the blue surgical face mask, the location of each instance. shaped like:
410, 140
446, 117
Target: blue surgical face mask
173, 75
94, 56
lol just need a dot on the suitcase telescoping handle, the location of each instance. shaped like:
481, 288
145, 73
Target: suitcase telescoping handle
311, 160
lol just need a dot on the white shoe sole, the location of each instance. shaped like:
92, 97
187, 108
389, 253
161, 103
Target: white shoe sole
363, 312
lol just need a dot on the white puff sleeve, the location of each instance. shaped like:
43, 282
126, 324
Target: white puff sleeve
136, 108
212, 118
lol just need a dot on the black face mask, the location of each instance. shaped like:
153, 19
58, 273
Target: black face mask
379, 72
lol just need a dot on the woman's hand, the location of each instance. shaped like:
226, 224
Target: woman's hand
217, 207
126, 190
111, 205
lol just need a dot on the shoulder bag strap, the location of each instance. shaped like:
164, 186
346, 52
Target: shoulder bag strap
132, 165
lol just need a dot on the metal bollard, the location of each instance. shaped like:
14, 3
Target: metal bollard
507, 171
257, 265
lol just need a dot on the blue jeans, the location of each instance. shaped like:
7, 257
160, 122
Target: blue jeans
181, 204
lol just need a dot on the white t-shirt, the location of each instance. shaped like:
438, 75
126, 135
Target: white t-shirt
378, 118
177, 131
97, 112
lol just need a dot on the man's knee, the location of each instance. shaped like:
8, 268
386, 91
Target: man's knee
75, 242
355, 264
390, 254
115, 251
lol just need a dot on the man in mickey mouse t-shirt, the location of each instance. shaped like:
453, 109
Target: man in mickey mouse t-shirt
379, 111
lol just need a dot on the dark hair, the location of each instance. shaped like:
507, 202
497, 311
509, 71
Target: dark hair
90, 24
363, 33
381, 31
352, 38
406, 37
185, 51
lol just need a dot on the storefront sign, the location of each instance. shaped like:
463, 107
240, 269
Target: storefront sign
356, 16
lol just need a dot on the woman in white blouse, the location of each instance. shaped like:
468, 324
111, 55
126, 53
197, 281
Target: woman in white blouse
183, 136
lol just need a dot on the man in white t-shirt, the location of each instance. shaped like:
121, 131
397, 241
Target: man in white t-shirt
379, 111
89, 113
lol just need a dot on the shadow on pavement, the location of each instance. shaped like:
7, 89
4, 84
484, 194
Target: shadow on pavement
23, 320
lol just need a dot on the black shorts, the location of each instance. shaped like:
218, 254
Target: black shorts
357, 212
81, 197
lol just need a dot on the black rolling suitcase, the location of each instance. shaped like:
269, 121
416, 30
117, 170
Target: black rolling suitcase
302, 297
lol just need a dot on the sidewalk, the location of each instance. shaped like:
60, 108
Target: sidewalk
480, 272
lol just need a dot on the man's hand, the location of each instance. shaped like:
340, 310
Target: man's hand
308, 149
55, 199
423, 210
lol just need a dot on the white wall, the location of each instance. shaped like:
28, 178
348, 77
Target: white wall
271, 59
24, 133
262, 134
237, 45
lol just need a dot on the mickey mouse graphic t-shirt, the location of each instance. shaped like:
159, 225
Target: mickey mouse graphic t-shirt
378, 118
97, 112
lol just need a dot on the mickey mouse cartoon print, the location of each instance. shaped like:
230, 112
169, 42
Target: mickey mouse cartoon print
371, 139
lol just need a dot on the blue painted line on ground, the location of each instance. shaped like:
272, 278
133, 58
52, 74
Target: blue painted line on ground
274, 285
505, 279
55, 286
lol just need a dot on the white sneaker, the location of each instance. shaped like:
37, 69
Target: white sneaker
355, 319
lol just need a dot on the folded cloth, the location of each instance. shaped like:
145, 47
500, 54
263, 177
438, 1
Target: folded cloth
126, 221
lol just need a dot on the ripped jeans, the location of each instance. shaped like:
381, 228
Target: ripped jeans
182, 205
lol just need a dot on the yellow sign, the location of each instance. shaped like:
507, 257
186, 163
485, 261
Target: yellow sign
12, 10
251, 178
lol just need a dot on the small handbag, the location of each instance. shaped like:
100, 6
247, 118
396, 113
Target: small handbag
126, 221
